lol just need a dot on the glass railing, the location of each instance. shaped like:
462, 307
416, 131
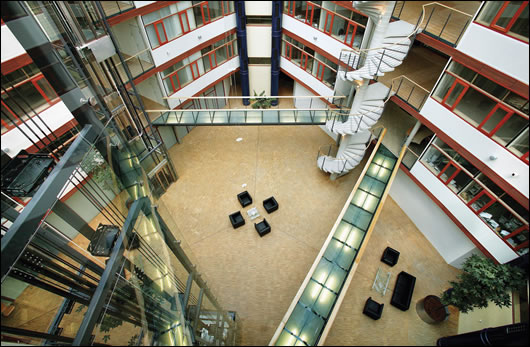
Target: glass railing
410, 92
311, 314
138, 64
252, 115
410, 158
440, 21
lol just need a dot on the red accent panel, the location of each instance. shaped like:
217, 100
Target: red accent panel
448, 213
164, 66
308, 88
139, 12
310, 45
498, 180
16, 63
483, 69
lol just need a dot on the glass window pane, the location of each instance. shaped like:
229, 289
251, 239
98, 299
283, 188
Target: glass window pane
517, 102
490, 184
172, 28
494, 120
151, 34
510, 129
443, 87
215, 9
508, 14
474, 106
435, 160
448, 172
490, 87
459, 181
490, 10
462, 71
520, 145
520, 27
472, 190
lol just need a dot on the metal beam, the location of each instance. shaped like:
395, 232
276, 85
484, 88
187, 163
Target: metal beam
27, 223
107, 279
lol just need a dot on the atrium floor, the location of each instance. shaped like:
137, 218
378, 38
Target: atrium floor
259, 277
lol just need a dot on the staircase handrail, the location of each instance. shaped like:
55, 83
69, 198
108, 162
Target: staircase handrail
417, 28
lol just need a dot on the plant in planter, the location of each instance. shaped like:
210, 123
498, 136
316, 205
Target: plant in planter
258, 102
482, 281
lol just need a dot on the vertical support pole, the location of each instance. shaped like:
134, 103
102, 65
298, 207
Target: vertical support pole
241, 22
276, 48
413, 133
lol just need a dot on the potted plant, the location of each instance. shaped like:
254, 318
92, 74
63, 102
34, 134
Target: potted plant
480, 282
258, 102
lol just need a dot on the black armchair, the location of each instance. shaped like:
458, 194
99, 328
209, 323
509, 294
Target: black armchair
390, 256
373, 309
270, 204
244, 198
236, 219
262, 227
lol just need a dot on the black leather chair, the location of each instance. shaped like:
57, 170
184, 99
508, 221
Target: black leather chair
262, 227
236, 219
244, 198
270, 204
390, 256
373, 309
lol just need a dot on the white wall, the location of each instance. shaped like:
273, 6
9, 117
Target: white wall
479, 145
182, 44
202, 82
432, 221
11, 48
499, 51
259, 40
258, 8
139, 4
150, 88
129, 37
259, 77
470, 221
322, 41
55, 116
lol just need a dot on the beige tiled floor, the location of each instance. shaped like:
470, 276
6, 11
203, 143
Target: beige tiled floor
258, 277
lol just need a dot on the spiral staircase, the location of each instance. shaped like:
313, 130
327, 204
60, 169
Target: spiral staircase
392, 42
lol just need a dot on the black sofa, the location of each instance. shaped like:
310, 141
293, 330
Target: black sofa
403, 291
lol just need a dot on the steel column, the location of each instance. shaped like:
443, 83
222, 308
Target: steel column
241, 22
276, 48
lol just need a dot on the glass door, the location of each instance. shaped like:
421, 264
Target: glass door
448, 172
482, 201
194, 70
498, 115
184, 23
303, 60
350, 34
328, 23
309, 13
320, 71
455, 93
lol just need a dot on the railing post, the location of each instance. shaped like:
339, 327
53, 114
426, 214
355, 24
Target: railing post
443, 28
400, 81
461, 32
410, 93
428, 20
380, 61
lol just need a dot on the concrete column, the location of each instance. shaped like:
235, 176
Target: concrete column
413, 133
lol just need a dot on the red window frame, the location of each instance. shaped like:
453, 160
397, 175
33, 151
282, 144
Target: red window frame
304, 57
509, 113
457, 100
155, 25
488, 204
457, 170
203, 5
320, 74
288, 48
328, 15
312, 6
213, 64
290, 8
230, 51
350, 24
525, 157
192, 64
512, 21
180, 14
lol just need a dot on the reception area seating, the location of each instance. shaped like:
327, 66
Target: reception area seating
390, 256
244, 198
270, 204
236, 219
263, 227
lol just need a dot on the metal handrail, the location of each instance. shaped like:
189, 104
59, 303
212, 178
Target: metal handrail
251, 97
400, 79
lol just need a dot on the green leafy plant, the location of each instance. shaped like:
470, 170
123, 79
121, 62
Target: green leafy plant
482, 281
95, 164
258, 102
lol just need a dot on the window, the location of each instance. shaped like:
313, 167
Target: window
312, 62
343, 24
507, 17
